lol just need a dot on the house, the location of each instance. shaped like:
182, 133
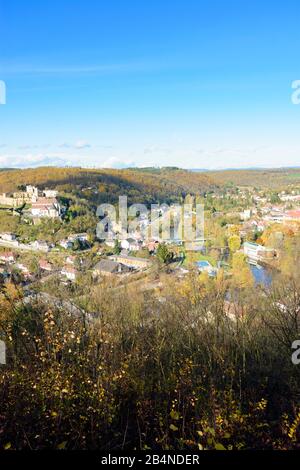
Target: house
24, 270
45, 265
8, 237
110, 243
290, 197
258, 225
107, 267
40, 246
275, 217
251, 250
293, 215
251, 226
50, 193
70, 260
255, 252
66, 244
131, 261
246, 214
130, 244
46, 207
69, 272
152, 246
259, 199
8, 257
32, 191
194, 246
81, 237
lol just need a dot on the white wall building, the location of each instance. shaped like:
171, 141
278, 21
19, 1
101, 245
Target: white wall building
46, 207
8, 237
69, 272
50, 193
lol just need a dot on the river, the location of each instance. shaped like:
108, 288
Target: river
262, 275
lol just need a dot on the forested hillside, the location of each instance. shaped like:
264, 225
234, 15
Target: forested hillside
277, 178
149, 185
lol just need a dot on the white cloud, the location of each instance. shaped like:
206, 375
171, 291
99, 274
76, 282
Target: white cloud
82, 144
79, 145
33, 160
60, 159
32, 147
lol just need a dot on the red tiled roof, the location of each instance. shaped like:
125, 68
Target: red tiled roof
7, 254
44, 203
295, 213
69, 269
45, 264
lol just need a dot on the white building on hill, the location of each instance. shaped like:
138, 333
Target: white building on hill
46, 207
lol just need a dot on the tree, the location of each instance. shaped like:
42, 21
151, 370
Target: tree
34, 266
241, 273
234, 243
164, 255
76, 245
275, 199
233, 230
117, 248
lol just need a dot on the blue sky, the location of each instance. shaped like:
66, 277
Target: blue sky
192, 83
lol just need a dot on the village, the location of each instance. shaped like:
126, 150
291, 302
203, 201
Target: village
255, 233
